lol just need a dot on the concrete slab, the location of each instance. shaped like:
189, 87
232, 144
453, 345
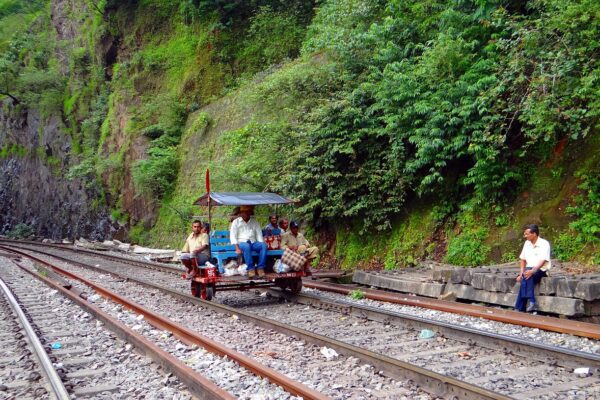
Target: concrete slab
587, 290
468, 292
565, 286
458, 275
558, 305
441, 275
548, 285
477, 279
498, 282
559, 293
420, 288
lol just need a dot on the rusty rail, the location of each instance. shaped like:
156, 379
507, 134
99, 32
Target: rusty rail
584, 329
188, 335
437, 384
521, 346
196, 383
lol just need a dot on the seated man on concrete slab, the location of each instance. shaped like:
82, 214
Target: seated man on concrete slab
296, 241
197, 246
246, 236
534, 262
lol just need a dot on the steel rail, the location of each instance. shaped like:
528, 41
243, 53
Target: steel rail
40, 353
577, 328
541, 352
291, 386
144, 264
432, 382
584, 329
197, 384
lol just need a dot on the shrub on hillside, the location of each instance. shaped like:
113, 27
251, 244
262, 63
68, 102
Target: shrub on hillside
20, 231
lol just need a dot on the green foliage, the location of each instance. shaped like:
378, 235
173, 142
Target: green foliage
29, 71
20, 231
408, 240
12, 149
138, 234
156, 175
502, 220
582, 240
467, 246
442, 91
587, 208
201, 122
260, 49
567, 246
254, 158
154, 131
357, 294
119, 215
509, 256
15, 16
354, 250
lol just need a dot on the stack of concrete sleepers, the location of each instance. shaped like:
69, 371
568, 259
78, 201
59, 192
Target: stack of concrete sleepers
560, 293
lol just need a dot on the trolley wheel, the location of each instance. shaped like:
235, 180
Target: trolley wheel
196, 289
296, 285
208, 291
281, 283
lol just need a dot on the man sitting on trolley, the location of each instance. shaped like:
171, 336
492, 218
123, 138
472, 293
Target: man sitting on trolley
246, 236
296, 241
197, 246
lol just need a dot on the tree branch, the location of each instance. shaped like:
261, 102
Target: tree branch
14, 99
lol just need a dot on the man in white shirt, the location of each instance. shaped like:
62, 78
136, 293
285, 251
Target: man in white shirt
534, 262
246, 236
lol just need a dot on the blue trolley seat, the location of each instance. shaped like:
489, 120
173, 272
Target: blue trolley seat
221, 249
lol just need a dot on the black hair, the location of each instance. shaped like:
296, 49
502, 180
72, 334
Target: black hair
197, 221
206, 226
272, 215
533, 228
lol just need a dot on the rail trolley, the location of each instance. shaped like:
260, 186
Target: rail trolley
209, 280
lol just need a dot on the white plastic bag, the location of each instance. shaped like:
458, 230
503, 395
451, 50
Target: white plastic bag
242, 270
231, 268
280, 267
330, 354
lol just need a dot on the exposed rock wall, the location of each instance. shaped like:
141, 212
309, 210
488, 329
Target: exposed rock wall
33, 187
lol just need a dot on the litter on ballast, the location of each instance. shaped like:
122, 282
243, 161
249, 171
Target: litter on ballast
426, 334
330, 354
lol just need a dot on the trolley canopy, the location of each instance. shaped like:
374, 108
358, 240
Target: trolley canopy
241, 199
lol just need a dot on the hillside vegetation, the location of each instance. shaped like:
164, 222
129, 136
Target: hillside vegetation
407, 129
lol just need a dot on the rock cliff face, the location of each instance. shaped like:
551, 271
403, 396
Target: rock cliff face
33, 189
35, 159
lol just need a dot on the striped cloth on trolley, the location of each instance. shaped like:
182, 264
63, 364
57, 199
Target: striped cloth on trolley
293, 259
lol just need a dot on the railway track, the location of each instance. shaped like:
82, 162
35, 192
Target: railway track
80, 358
30, 373
289, 355
545, 323
175, 356
462, 348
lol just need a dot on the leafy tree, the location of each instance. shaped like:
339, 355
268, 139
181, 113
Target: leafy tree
8, 77
156, 175
444, 93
